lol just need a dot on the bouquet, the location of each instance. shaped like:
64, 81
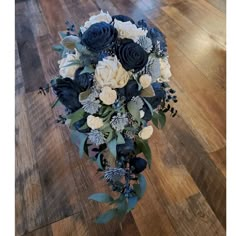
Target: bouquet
113, 79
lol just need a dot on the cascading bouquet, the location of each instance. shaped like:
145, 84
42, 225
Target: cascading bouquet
112, 81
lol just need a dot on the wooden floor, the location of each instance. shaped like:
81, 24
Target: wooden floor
187, 183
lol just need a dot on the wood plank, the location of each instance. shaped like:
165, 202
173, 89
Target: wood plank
29, 205
219, 4
201, 50
30, 62
196, 217
199, 165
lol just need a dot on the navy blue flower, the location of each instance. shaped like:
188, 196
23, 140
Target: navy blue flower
122, 18
137, 164
84, 81
131, 55
157, 36
125, 149
99, 36
130, 90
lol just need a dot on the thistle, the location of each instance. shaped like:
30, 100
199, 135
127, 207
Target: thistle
114, 174
96, 137
145, 43
119, 122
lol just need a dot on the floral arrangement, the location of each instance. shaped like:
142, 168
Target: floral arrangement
112, 80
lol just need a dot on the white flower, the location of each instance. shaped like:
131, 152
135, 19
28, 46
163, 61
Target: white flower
165, 70
142, 113
108, 95
109, 72
129, 30
145, 80
102, 16
94, 122
146, 132
65, 69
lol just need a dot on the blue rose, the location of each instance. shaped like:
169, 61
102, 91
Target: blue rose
99, 36
131, 55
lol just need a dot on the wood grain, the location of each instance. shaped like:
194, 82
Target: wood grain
186, 184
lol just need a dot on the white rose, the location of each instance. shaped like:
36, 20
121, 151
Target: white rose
108, 95
165, 70
146, 132
145, 80
109, 72
129, 30
69, 71
105, 17
94, 122
142, 113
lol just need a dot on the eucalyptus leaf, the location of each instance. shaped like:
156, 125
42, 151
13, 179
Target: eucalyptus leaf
142, 184
58, 48
70, 41
120, 138
84, 95
101, 197
87, 69
72, 63
112, 147
132, 202
62, 34
137, 190
133, 110
99, 161
122, 207
79, 140
106, 217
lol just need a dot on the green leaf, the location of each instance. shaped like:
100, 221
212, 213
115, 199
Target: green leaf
143, 145
101, 197
149, 105
142, 184
133, 110
120, 138
122, 206
106, 217
87, 69
62, 34
112, 147
132, 201
58, 47
79, 140
162, 118
155, 119
77, 115
72, 63
159, 119
137, 190
99, 161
